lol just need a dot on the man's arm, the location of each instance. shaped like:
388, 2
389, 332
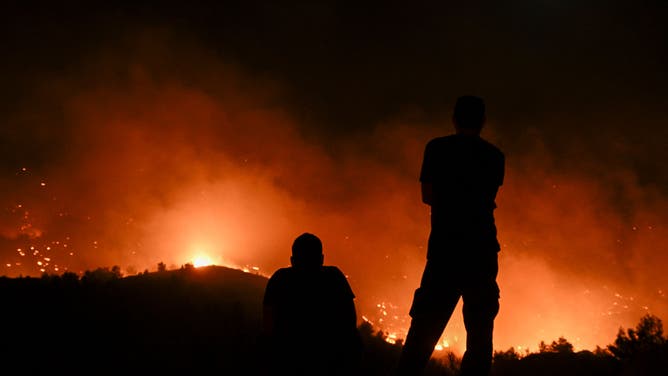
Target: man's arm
351, 314
426, 175
268, 320
427, 193
271, 296
346, 296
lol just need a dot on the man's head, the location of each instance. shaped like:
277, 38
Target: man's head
307, 252
469, 114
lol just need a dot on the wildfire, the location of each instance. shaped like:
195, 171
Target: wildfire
444, 344
202, 260
32, 250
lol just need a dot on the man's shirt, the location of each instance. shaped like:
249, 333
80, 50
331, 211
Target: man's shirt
465, 173
306, 304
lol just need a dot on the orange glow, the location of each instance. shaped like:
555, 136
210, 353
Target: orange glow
226, 177
202, 260
442, 345
391, 338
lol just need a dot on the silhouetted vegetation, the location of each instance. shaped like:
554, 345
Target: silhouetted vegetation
207, 321
189, 320
639, 351
643, 350
561, 346
381, 357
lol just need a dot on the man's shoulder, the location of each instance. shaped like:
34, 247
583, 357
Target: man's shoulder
332, 271
276, 286
441, 141
493, 149
282, 274
338, 280
455, 140
329, 272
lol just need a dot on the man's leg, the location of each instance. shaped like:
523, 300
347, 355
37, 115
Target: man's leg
430, 312
419, 345
481, 305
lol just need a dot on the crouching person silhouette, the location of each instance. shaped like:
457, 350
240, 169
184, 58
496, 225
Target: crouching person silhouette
309, 316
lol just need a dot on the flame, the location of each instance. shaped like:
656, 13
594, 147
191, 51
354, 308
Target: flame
202, 260
444, 344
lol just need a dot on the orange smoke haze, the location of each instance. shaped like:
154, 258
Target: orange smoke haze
157, 158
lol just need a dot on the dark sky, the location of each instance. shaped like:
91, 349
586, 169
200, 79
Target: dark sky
153, 131
568, 69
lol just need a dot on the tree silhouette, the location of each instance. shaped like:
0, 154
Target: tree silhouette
188, 267
101, 275
116, 271
508, 355
647, 336
70, 278
561, 346
162, 267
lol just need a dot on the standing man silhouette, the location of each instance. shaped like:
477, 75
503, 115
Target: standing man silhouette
460, 177
309, 315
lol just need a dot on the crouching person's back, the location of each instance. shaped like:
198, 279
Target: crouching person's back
309, 316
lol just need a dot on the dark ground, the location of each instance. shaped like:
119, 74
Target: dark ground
208, 320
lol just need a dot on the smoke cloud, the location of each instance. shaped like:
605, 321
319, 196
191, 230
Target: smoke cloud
156, 150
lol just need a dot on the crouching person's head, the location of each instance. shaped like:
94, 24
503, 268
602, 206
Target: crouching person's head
307, 252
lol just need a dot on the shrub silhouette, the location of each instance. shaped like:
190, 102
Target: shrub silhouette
643, 350
561, 346
508, 355
646, 337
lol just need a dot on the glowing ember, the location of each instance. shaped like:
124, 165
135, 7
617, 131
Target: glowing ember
442, 345
391, 338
